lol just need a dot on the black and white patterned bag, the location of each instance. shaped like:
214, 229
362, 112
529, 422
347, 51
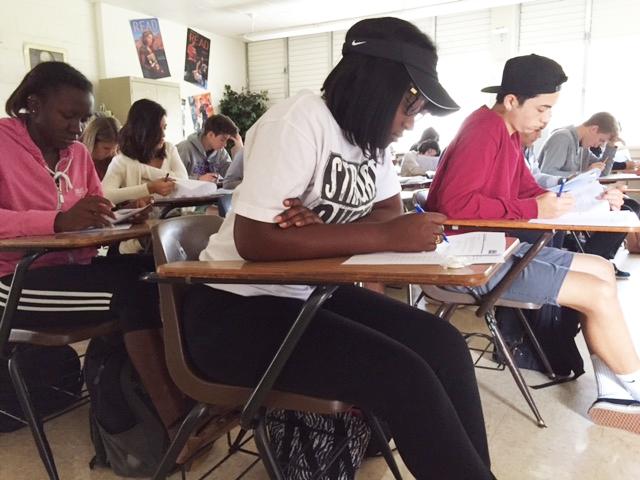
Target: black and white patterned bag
305, 442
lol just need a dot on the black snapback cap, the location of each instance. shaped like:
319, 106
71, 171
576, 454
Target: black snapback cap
419, 62
530, 75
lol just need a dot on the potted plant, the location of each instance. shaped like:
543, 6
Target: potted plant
244, 107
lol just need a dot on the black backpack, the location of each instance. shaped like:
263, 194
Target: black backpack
53, 378
555, 328
126, 431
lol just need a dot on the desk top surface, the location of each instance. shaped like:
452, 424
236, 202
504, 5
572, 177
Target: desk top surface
525, 225
616, 177
329, 271
82, 239
192, 201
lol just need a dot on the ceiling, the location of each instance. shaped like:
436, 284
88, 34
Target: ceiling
262, 19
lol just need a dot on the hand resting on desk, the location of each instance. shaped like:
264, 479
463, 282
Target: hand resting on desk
88, 212
552, 206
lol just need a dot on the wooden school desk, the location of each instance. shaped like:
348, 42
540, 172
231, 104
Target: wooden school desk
168, 204
619, 177
327, 275
32, 248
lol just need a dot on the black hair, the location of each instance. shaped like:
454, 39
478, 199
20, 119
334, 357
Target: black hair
43, 79
519, 96
220, 125
141, 133
363, 92
427, 144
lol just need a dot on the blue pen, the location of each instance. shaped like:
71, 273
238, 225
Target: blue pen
562, 182
419, 209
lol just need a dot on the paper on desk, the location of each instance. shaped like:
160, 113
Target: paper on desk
186, 188
622, 218
465, 249
416, 180
126, 213
120, 226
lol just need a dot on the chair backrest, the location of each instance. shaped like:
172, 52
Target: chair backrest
174, 240
182, 239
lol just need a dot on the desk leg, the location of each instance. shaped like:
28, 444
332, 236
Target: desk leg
513, 368
15, 290
486, 310
13, 355
309, 309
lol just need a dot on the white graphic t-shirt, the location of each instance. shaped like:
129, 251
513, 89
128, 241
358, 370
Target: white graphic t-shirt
298, 150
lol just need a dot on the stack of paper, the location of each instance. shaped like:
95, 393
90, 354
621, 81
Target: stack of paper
186, 188
463, 249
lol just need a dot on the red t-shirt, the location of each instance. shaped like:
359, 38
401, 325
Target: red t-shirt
482, 173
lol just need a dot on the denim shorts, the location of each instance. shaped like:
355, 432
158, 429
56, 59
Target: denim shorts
539, 282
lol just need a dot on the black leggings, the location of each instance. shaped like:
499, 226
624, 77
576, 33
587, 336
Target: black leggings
107, 289
407, 366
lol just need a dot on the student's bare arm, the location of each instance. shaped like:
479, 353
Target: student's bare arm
260, 241
298, 215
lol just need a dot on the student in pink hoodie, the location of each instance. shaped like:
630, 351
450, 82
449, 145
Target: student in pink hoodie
48, 184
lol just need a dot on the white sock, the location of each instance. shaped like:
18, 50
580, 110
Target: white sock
609, 384
631, 381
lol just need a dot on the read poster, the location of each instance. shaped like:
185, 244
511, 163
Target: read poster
201, 109
148, 40
196, 60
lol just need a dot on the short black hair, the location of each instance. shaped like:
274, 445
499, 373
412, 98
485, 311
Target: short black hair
220, 125
141, 133
41, 81
427, 144
363, 92
519, 96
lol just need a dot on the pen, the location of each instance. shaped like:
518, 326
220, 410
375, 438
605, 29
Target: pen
562, 182
419, 209
166, 179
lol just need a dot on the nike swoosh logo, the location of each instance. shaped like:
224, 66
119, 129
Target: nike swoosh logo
355, 44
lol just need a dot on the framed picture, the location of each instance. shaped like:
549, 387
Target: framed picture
35, 54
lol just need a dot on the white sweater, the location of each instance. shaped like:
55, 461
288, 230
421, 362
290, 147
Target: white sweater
126, 178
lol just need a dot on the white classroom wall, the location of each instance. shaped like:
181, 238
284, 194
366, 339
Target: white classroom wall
98, 42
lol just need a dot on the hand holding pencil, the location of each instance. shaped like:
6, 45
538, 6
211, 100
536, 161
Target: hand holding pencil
163, 186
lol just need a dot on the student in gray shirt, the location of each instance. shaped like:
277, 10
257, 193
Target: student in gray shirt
544, 179
204, 154
566, 151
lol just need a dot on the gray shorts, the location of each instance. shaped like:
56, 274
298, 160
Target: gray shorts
539, 282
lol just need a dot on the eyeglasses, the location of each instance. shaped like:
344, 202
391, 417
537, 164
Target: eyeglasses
415, 103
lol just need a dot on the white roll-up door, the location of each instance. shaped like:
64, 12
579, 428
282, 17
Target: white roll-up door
267, 66
556, 29
309, 62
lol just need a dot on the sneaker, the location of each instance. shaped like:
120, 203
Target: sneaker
621, 274
612, 412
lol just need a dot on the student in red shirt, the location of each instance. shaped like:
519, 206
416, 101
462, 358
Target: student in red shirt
483, 175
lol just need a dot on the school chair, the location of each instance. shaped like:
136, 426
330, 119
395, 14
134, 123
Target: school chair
20, 339
183, 238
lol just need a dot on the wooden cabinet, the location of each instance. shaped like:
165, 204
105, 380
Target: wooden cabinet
117, 95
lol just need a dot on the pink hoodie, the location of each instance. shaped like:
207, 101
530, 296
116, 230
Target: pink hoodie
28, 195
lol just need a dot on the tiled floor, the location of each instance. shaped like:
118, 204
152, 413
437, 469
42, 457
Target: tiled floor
570, 448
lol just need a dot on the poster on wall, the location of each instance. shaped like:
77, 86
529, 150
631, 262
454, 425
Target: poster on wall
201, 109
196, 59
35, 54
148, 40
